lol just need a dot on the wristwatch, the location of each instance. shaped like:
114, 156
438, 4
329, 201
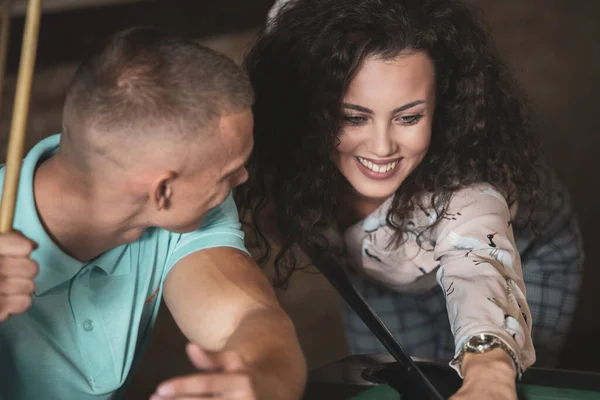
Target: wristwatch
482, 343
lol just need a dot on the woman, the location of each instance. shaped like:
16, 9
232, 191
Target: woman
389, 133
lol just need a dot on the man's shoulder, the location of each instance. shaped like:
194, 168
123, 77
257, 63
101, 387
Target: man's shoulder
224, 213
221, 220
31, 159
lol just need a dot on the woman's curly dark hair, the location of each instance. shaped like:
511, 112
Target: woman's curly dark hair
301, 66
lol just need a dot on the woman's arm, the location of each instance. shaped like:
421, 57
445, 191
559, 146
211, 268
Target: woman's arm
480, 273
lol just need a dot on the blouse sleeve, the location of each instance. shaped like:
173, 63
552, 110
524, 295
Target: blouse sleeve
480, 272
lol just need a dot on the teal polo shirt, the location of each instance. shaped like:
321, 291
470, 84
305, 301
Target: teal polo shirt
90, 321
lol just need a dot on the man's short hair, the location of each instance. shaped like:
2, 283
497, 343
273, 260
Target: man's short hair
143, 77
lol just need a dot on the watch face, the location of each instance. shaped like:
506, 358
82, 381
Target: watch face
481, 342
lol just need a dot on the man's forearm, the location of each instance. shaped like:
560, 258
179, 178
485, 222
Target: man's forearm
266, 339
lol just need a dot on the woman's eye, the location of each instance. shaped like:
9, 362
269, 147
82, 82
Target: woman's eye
354, 120
411, 119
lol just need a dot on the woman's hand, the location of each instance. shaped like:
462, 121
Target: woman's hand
488, 376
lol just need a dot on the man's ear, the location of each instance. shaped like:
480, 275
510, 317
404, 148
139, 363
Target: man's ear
162, 190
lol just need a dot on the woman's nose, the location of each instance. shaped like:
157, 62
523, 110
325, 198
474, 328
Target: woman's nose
382, 143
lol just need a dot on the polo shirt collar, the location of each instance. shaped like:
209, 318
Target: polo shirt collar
55, 267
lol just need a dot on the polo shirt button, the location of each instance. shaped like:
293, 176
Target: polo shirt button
88, 325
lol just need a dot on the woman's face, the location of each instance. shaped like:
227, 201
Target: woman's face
386, 130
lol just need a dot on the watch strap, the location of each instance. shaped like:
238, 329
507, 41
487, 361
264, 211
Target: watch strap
486, 343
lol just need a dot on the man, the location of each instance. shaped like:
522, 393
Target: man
132, 202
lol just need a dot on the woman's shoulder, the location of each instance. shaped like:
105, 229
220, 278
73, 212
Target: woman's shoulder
469, 201
477, 200
477, 193
473, 195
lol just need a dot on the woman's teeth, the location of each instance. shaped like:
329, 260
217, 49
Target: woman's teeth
376, 167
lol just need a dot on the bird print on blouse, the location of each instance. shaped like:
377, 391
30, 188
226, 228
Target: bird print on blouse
454, 319
490, 191
470, 253
371, 246
472, 244
516, 297
439, 276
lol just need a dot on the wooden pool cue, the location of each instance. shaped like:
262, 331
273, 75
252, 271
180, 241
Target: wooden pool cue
339, 279
16, 140
5, 17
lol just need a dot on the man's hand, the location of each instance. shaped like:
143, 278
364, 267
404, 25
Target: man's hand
223, 376
17, 272
488, 376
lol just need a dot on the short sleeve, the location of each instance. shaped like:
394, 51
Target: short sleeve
220, 228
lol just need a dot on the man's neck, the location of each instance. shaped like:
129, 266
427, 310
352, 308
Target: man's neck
82, 218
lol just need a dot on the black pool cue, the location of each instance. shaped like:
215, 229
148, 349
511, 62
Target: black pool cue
338, 278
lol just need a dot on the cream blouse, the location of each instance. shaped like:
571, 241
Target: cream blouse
471, 254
